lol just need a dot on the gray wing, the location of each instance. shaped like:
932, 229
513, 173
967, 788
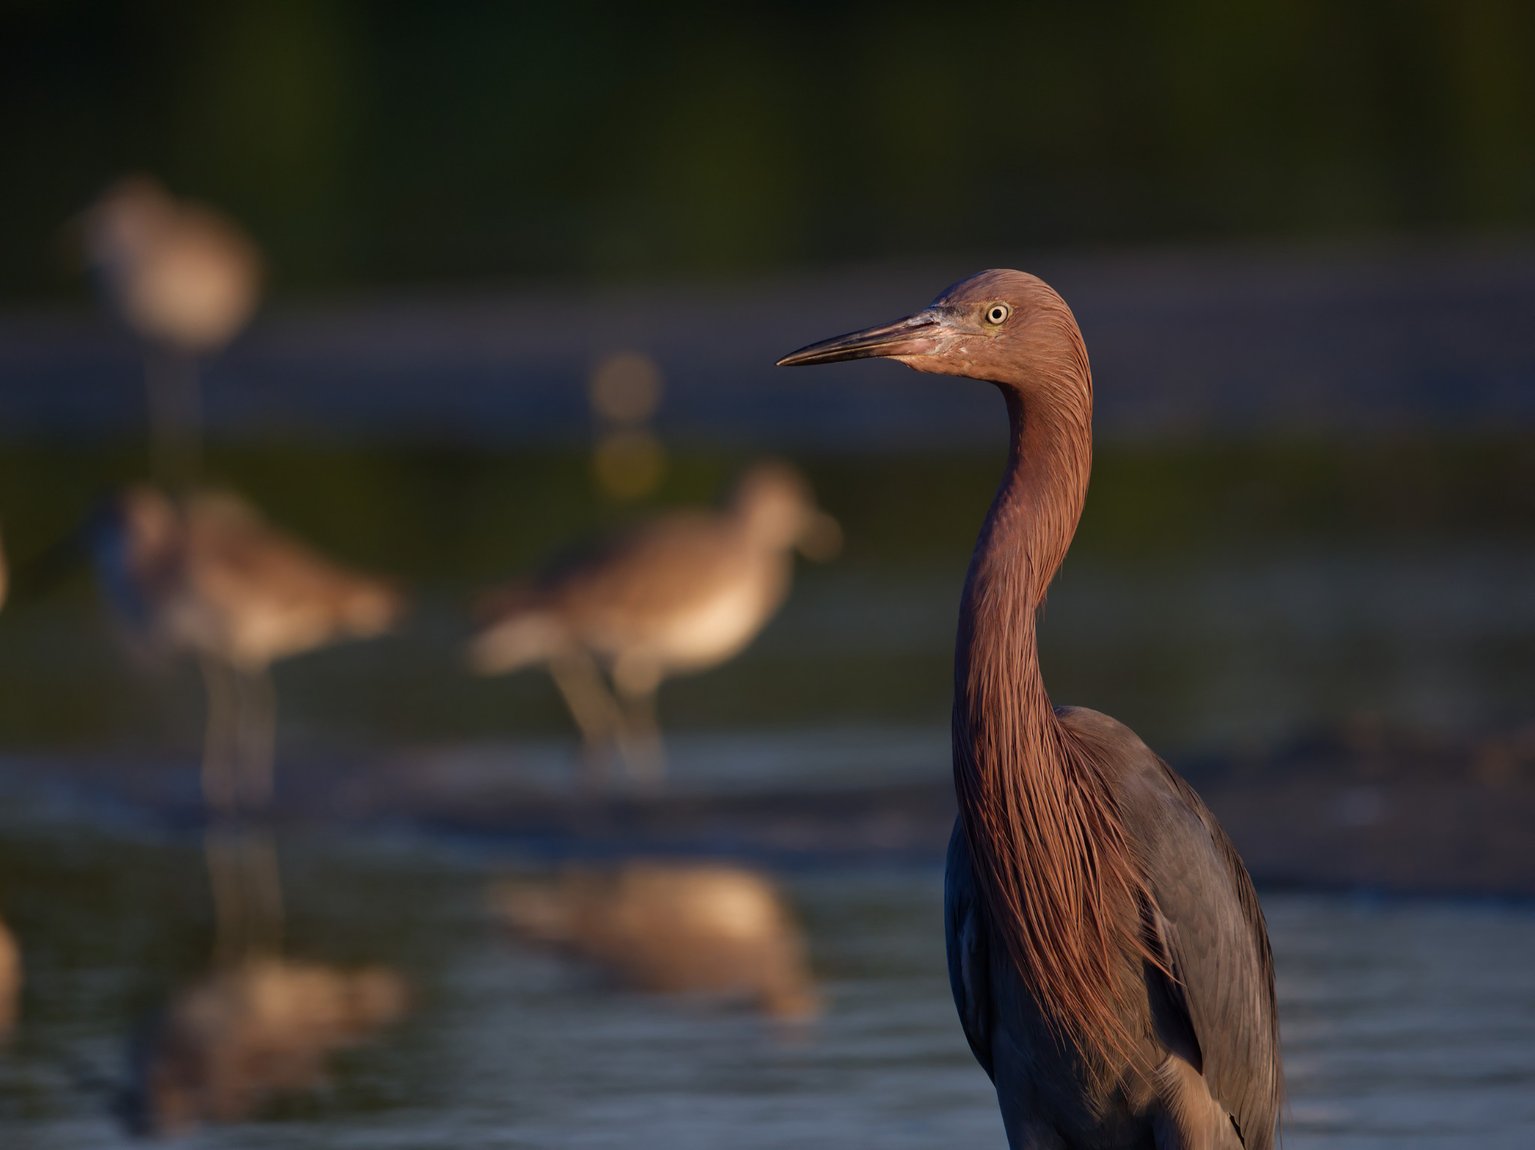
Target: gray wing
1212, 928
1217, 1010
969, 960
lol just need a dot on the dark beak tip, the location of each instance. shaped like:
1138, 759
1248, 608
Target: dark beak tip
903, 338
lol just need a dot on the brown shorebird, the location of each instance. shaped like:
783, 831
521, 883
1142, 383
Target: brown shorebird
700, 930
681, 593
236, 1040
184, 280
206, 575
1106, 949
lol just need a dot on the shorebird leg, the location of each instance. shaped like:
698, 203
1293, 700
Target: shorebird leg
257, 723
264, 876
592, 706
230, 941
246, 886
221, 738
637, 680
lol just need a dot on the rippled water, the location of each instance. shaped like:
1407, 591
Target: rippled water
1405, 1023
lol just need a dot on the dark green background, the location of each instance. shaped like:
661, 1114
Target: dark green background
369, 143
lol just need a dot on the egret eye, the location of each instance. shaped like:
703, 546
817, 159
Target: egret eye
997, 313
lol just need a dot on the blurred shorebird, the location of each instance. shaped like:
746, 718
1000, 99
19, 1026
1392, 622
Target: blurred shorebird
182, 278
680, 593
709, 931
206, 575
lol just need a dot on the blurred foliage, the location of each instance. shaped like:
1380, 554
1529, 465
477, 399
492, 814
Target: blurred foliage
377, 143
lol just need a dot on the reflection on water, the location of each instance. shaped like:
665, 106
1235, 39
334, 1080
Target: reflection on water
229, 1044
697, 929
245, 881
1402, 1021
258, 1027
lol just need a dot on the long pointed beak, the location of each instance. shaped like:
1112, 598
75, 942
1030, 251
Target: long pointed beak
916, 335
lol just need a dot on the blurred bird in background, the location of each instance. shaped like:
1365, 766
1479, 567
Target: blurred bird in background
702, 930
207, 576
680, 593
184, 280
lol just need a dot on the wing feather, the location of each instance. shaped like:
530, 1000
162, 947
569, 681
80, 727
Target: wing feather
969, 959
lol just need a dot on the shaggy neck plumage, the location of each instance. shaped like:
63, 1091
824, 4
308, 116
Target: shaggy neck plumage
1045, 837
1000, 694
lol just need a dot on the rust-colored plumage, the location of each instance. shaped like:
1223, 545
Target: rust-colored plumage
1050, 848
1133, 997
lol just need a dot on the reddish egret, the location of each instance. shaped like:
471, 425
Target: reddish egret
681, 593
207, 576
184, 280
1106, 949
698, 929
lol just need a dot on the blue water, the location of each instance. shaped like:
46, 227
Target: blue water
1406, 1023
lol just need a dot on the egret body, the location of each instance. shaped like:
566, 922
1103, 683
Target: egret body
1107, 953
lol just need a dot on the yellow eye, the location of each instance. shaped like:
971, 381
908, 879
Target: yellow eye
998, 313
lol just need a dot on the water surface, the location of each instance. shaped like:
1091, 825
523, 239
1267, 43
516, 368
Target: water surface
1405, 1022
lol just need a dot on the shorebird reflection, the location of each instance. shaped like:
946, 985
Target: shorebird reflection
233, 1042
709, 931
